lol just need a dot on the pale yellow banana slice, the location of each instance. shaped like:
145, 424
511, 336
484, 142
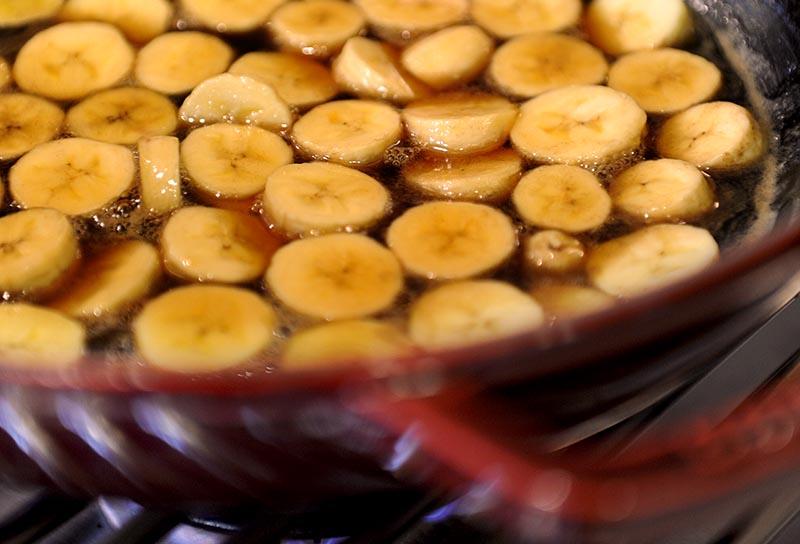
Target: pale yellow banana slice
660, 191
299, 81
71, 60
230, 15
452, 240
531, 65
317, 28
25, 122
553, 252
713, 136
319, 198
74, 176
477, 178
22, 12
111, 282
229, 98
204, 329
160, 174
176, 62
5, 74
510, 18
335, 277
139, 20
123, 116
401, 20
566, 198
650, 258
39, 248
569, 301
624, 26
460, 123
232, 161
584, 124
36, 338
470, 312
350, 132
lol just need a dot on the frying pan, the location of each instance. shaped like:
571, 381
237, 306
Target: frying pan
294, 439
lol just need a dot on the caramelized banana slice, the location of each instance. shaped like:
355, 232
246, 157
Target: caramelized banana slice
38, 338
553, 252
316, 27
510, 18
25, 122
140, 20
23, 12
401, 20
569, 301
160, 174
230, 15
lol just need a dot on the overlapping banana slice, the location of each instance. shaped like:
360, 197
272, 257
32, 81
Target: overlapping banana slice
350, 132
335, 277
160, 174
470, 312
650, 258
21, 12
5, 74
510, 18
38, 338
176, 62
139, 20
230, 15
74, 176
452, 240
402, 20
568, 301
584, 124
204, 329
25, 122
713, 136
71, 60
319, 198
531, 65
553, 252
317, 28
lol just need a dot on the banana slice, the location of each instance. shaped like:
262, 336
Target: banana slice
230, 15
71, 60
714, 136
335, 277
177, 62
452, 240
5, 74
531, 65
110, 282
510, 18
402, 20
300, 82
317, 28
25, 122
650, 258
350, 132
460, 123
470, 312
38, 338
624, 26
160, 174
566, 198
204, 329
479, 178
568, 301
553, 252
584, 124
23, 12
319, 198
123, 116
74, 176
232, 161
229, 98
371, 69
39, 248
139, 20
660, 191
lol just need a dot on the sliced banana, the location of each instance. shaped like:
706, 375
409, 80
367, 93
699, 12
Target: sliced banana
460, 123
228, 98
470, 312
160, 174
22, 12
110, 282
299, 81
71, 60
25, 122
139, 20
568, 301
123, 116
531, 65
624, 26
38, 338
317, 28
553, 252
566, 198
401, 20
350, 132
5, 74
713, 136
204, 329
650, 258
584, 124
478, 178
335, 277
661, 191
230, 15
232, 161
177, 62
74, 176
319, 198
510, 18
452, 240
